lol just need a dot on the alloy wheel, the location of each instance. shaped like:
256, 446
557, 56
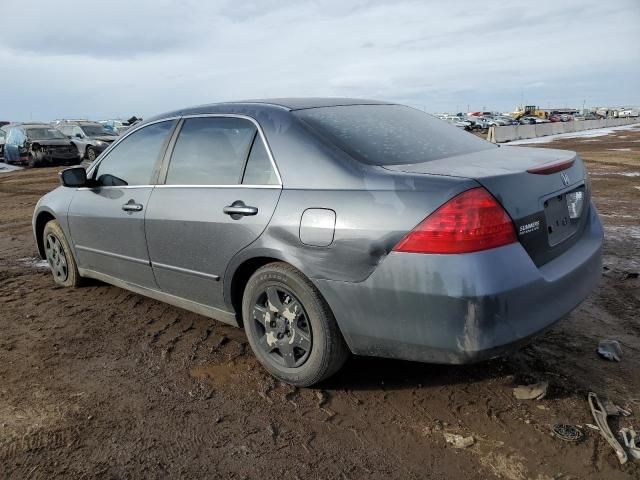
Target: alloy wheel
283, 327
56, 257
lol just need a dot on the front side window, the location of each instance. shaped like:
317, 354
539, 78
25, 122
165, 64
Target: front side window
133, 161
210, 151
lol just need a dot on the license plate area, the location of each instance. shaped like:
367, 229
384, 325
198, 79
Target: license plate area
560, 225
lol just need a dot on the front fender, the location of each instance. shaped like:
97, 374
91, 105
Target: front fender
55, 204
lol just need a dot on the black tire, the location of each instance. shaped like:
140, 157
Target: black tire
301, 346
90, 154
32, 162
58, 254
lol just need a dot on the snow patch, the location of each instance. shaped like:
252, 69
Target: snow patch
596, 132
34, 262
5, 167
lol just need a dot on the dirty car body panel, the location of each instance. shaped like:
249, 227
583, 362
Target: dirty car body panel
341, 185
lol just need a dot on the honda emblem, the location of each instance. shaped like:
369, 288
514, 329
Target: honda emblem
565, 178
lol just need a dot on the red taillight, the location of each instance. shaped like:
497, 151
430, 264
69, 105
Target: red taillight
469, 222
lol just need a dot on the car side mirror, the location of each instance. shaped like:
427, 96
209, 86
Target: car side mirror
69, 136
78, 135
73, 177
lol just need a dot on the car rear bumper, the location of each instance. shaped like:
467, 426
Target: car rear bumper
463, 308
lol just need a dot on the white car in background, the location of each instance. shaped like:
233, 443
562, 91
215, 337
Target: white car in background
629, 113
459, 122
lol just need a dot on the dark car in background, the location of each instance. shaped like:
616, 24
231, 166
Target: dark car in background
91, 138
329, 226
35, 144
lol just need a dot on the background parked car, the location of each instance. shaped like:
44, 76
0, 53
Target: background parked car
116, 127
91, 138
2, 138
500, 121
459, 122
33, 144
479, 123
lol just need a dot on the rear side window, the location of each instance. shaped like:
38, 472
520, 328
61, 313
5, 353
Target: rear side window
133, 161
211, 151
389, 134
259, 170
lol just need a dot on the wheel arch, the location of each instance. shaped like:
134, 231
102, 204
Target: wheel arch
240, 277
42, 219
242, 267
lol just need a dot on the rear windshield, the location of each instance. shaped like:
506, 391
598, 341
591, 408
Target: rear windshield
390, 134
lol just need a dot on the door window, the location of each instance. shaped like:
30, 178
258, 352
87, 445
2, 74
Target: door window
133, 161
259, 170
211, 151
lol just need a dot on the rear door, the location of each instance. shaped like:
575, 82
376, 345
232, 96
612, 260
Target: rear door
220, 191
107, 221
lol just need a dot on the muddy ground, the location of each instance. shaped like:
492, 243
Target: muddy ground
102, 383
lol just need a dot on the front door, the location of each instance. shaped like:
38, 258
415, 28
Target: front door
107, 220
220, 191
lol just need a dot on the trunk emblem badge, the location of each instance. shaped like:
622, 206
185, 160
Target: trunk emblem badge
565, 178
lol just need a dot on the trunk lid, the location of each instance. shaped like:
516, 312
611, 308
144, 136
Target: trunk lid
538, 203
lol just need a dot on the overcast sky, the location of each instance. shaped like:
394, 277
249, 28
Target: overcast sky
117, 58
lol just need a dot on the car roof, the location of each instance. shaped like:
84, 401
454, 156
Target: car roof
80, 122
30, 124
259, 106
311, 102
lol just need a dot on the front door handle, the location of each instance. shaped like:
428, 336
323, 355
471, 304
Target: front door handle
132, 206
238, 209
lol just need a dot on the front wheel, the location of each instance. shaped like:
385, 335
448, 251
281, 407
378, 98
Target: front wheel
58, 254
32, 161
290, 327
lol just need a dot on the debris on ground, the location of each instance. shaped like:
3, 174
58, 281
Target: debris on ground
535, 391
631, 441
614, 410
458, 441
600, 415
568, 433
610, 349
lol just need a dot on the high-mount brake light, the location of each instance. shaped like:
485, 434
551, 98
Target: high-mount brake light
469, 222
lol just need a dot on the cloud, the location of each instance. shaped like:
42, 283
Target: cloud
122, 57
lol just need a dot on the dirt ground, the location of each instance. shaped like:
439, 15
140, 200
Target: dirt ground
102, 383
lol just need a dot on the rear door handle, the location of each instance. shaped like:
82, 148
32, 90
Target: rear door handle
238, 210
132, 206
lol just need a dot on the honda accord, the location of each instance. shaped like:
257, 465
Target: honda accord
326, 227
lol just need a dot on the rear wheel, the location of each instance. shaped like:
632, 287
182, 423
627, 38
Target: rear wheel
58, 253
290, 326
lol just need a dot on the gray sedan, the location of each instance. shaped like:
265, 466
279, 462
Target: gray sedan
332, 226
